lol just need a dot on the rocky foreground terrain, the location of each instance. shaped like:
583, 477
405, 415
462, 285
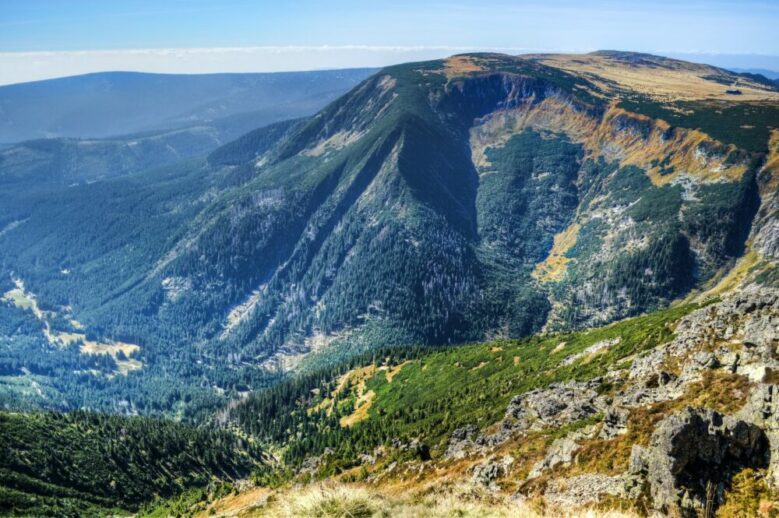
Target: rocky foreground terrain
692, 453
689, 427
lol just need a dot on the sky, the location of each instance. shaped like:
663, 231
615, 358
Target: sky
51, 38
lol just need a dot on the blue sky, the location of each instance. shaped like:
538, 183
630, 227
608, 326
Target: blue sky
44, 38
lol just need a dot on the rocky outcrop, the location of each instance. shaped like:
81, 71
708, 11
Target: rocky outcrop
693, 456
557, 405
487, 473
462, 442
739, 335
615, 422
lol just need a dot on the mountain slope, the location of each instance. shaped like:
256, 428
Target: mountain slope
89, 464
647, 415
114, 103
483, 196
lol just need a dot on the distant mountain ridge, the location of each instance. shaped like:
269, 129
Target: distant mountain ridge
770, 74
108, 104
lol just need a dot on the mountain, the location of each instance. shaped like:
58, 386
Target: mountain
487, 285
479, 197
108, 104
156, 120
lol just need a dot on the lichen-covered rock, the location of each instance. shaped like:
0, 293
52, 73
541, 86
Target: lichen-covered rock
694, 453
487, 473
762, 409
615, 422
461, 443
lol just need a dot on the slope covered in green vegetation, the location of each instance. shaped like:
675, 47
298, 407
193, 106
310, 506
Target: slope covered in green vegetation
425, 394
79, 463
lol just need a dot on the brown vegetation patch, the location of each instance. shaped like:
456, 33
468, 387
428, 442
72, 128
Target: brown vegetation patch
461, 65
553, 267
724, 392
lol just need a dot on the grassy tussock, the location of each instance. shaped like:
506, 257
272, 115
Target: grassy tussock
353, 501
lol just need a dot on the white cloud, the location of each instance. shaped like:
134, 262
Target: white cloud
16, 67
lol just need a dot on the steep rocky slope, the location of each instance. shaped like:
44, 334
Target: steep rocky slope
479, 197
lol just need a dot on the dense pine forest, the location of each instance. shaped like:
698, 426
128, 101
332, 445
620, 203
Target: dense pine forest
82, 463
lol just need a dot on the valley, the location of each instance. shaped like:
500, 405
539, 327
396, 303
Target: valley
486, 285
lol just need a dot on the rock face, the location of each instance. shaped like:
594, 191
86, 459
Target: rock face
694, 454
487, 473
461, 442
614, 422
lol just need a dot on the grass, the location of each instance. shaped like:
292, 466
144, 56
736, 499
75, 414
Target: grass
334, 500
19, 299
750, 495
553, 267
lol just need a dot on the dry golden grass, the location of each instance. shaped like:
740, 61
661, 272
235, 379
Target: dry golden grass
683, 150
239, 504
23, 299
664, 80
393, 371
553, 267
607, 138
361, 407
734, 278
724, 392
114, 348
772, 164
355, 380
353, 501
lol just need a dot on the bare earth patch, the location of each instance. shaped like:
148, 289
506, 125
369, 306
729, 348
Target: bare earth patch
460, 65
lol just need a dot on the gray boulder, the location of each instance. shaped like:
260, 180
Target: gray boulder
694, 453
